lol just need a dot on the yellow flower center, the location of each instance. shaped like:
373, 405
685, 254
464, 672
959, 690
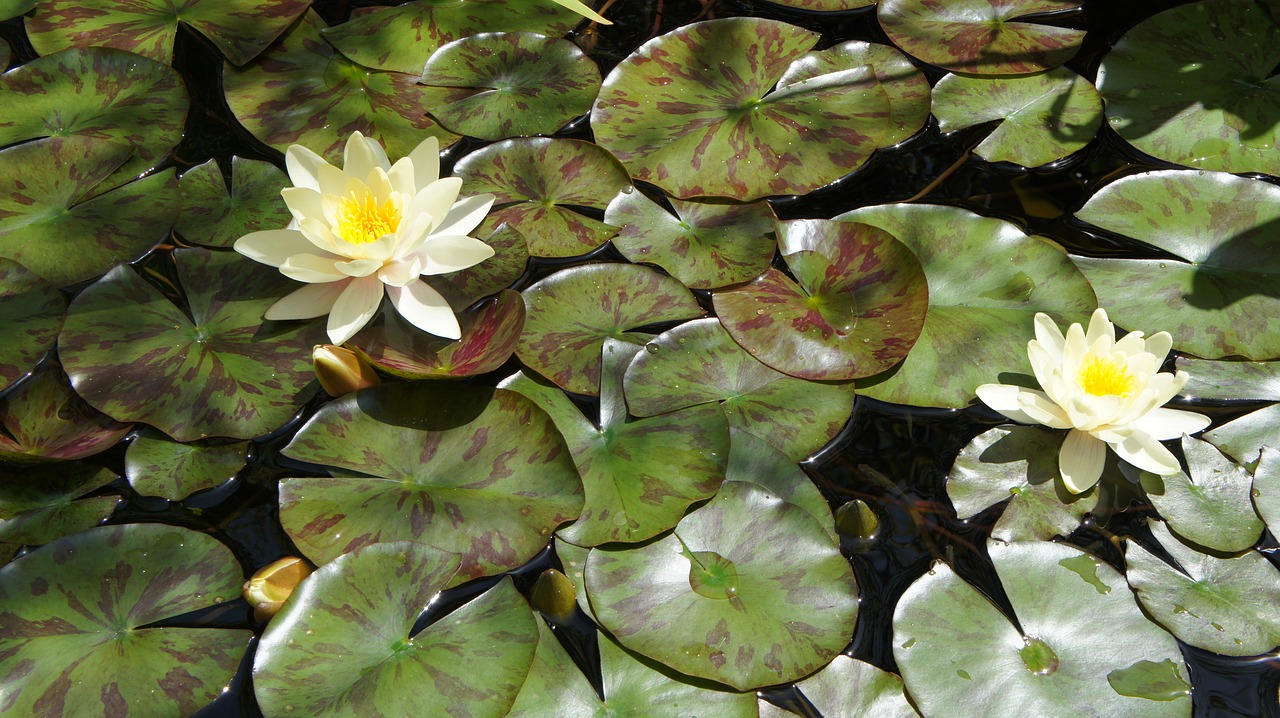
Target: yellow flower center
1106, 376
361, 219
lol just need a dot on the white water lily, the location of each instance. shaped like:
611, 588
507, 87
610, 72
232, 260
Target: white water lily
367, 227
1107, 392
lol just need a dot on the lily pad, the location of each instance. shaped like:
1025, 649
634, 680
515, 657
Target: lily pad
43, 419
1196, 85
516, 83
503, 269
849, 687
215, 216
824, 5
217, 371
44, 503
14, 8
343, 644
535, 183
755, 460
1218, 298
1243, 438
1042, 117
572, 313
704, 111
1212, 507
71, 630
704, 244
1020, 464
980, 312
980, 37
240, 28
763, 594
1230, 379
158, 466
97, 93
855, 310
33, 313
479, 472
1266, 487
698, 363
1224, 605
52, 223
1082, 632
303, 91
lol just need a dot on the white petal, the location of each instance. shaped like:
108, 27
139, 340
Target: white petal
1132, 344
1081, 461
442, 255
1159, 344
358, 267
303, 202
311, 268
354, 308
424, 308
398, 274
426, 162
401, 176
318, 233
1074, 347
357, 158
1100, 326
466, 214
1043, 363
274, 246
437, 199
1163, 424
379, 185
313, 300
1042, 409
304, 166
1143, 451
1004, 399
1049, 336
332, 180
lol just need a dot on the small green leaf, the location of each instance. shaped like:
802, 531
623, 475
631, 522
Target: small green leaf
1212, 506
158, 466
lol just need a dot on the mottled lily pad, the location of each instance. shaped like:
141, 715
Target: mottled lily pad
702, 111
698, 363
1230, 379
824, 5
1245, 437
1224, 605
52, 223
239, 28
44, 419
1219, 297
704, 244
572, 312
762, 593
517, 83
70, 628
980, 37
849, 687
1196, 85
33, 313
1082, 634
217, 371
158, 466
1042, 117
97, 93
753, 459
536, 181
509, 260
855, 310
1212, 507
980, 311
1266, 487
344, 645
479, 472
44, 503
302, 91
215, 216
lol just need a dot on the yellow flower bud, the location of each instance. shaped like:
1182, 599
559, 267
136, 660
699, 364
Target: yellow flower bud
274, 583
342, 371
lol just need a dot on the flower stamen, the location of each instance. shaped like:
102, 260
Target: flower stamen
1106, 376
363, 219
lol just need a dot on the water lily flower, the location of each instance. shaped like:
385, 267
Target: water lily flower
368, 226
582, 10
1107, 392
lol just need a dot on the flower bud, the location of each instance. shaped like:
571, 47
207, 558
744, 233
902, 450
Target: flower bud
274, 583
554, 595
342, 371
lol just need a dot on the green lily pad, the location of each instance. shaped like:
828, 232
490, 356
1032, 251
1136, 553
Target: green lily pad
1020, 464
704, 244
855, 688
762, 593
572, 313
101, 94
856, 309
343, 645
215, 216
504, 268
43, 419
516, 83
753, 459
698, 363
1218, 298
6, 53
1266, 487
1080, 628
1230, 379
1196, 85
402, 38
1042, 117
302, 91
574, 560
980, 312
476, 471
44, 503
535, 181
33, 313
158, 466
14, 8
52, 223
1212, 507
1224, 605
824, 5
980, 37
70, 631
1243, 438
218, 371
709, 123
240, 29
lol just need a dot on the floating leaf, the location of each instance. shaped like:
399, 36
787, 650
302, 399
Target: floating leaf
44, 503
824, 5
1211, 507
1196, 85
476, 471
70, 629
753, 459
44, 419
504, 268
980, 312
33, 313
215, 216
854, 688
218, 371
1243, 438
574, 560
158, 466
1266, 487
536, 180
1230, 379
1219, 296
13, 8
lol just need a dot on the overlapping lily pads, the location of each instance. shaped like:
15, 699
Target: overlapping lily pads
1212, 506
216, 216
158, 466
755, 460
43, 420
849, 687
215, 371
44, 503
72, 629
1266, 487
1244, 437
510, 257
32, 312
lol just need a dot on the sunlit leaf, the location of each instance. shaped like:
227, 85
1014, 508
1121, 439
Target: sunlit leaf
215, 216
158, 466
1212, 507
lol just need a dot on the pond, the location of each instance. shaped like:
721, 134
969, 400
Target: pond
687, 420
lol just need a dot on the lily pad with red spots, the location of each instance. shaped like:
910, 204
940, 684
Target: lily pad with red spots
43, 503
158, 466
824, 5
33, 313
214, 215
45, 420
